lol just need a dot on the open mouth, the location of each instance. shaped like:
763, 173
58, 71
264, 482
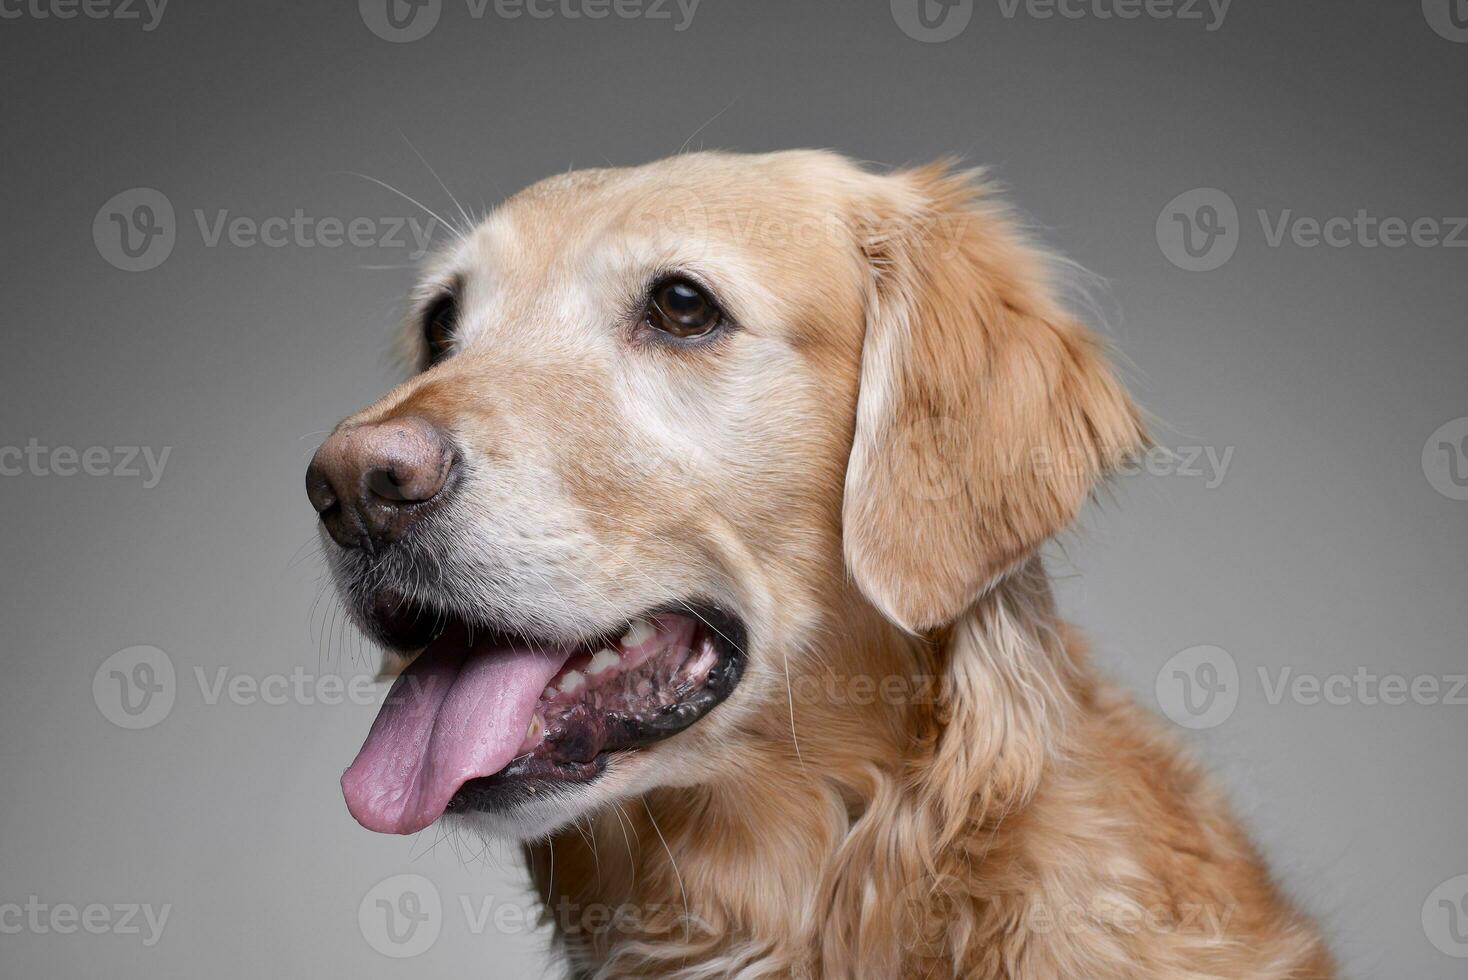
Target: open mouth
484, 720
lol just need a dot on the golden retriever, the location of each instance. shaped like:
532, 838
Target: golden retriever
708, 531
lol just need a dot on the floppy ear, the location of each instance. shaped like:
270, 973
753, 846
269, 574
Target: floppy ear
985, 413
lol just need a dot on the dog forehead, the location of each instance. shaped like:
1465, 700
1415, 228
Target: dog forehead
762, 204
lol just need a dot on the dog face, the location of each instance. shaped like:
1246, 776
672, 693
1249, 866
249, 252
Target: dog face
668, 423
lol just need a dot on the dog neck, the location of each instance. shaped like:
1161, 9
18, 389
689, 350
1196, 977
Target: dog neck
902, 750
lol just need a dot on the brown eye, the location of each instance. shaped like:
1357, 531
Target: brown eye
439, 324
680, 308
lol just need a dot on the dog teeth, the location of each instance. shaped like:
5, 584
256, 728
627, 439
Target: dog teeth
602, 661
572, 681
533, 735
638, 633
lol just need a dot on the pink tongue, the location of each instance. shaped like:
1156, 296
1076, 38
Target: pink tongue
456, 713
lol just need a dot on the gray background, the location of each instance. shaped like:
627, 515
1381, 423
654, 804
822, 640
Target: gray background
1324, 549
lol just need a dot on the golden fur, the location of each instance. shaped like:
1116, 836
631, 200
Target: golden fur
921, 775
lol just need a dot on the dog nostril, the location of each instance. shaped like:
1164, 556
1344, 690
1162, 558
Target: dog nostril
384, 483
318, 489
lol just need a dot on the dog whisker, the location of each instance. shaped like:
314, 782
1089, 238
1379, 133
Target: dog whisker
468, 222
410, 199
673, 862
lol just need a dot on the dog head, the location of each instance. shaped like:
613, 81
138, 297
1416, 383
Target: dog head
670, 426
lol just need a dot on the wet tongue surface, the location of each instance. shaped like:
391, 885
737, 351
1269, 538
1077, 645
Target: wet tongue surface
458, 712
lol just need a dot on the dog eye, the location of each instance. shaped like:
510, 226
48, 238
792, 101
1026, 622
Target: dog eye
439, 324
680, 308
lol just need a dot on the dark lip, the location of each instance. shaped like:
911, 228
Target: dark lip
524, 781
405, 627
531, 778
402, 626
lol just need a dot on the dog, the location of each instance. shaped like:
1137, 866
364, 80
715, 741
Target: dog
705, 540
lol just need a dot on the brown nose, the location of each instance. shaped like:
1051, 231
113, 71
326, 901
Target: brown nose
371, 482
